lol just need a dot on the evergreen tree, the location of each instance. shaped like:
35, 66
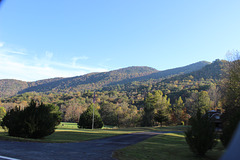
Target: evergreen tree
161, 117
178, 113
201, 135
85, 120
32, 122
198, 101
148, 115
153, 103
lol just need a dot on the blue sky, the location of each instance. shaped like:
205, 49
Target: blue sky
46, 39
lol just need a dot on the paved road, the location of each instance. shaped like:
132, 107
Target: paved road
94, 149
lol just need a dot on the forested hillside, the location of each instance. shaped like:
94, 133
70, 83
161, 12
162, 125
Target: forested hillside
93, 81
90, 81
208, 74
212, 71
173, 72
10, 87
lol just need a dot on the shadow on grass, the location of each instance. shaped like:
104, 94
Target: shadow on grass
165, 146
66, 136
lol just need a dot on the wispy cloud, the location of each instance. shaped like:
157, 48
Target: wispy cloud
75, 59
16, 52
7, 50
1, 44
80, 58
24, 66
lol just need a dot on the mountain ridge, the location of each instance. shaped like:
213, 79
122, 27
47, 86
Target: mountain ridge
94, 80
171, 72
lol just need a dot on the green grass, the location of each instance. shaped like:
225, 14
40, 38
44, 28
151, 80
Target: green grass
67, 125
155, 129
165, 147
69, 132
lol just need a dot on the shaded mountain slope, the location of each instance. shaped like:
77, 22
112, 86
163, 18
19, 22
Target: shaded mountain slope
168, 73
93, 80
211, 71
90, 81
9, 87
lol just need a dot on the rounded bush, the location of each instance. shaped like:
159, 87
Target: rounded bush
32, 122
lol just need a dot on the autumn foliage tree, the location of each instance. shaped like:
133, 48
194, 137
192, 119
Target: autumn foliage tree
2, 112
108, 112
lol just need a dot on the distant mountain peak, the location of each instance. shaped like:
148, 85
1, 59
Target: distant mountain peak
137, 69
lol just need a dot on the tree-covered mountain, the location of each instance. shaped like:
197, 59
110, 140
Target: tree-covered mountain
10, 87
178, 85
167, 73
89, 81
94, 80
211, 71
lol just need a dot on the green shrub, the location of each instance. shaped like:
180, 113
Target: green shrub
201, 135
32, 122
85, 120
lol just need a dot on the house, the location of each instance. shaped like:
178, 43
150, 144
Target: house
215, 117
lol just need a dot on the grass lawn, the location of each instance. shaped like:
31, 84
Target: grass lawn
165, 147
69, 132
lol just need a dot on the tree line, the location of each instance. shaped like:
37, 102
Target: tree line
202, 136
138, 107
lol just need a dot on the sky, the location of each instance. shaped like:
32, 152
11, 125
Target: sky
52, 38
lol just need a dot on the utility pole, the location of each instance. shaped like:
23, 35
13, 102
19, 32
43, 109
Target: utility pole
93, 110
